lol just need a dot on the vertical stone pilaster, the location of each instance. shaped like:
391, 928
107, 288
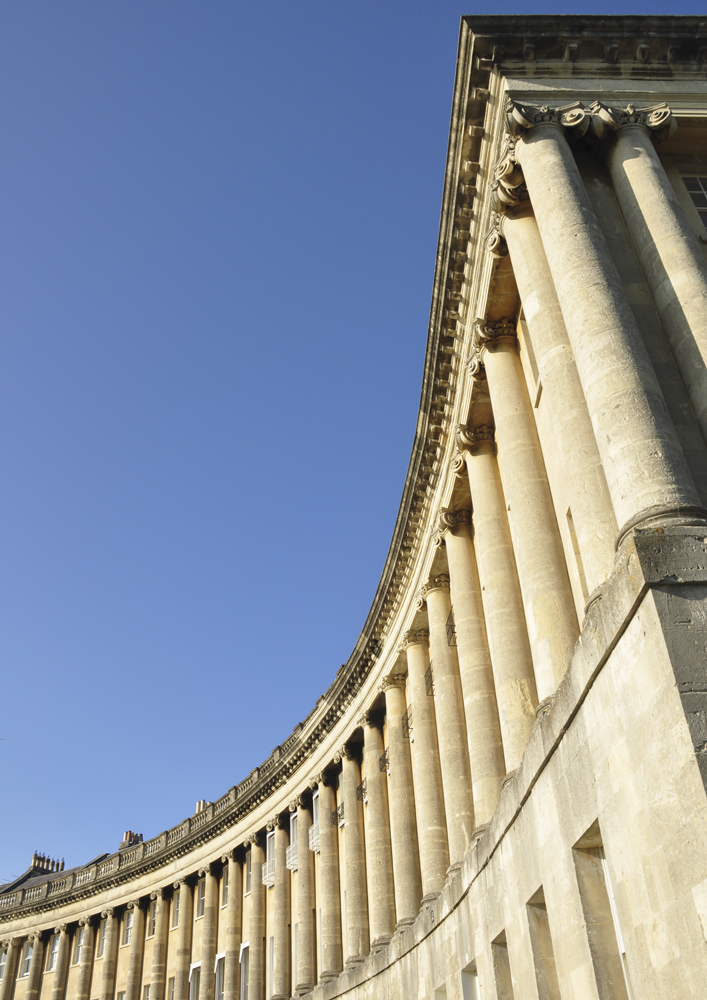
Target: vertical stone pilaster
403, 828
329, 881
184, 936
357, 931
83, 986
427, 776
379, 857
209, 931
482, 723
451, 724
137, 947
305, 898
158, 973
256, 933
62, 963
234, 928
511, 659
37, 964
110, 954
281, 914
14, 948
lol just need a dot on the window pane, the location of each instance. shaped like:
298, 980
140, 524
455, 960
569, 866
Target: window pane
692, 183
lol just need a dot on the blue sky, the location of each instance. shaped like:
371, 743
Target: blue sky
218, 225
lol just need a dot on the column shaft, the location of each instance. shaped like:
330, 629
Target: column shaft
357, 933
281, 914
209, 930
584, 479
645, 469
512, 663
37, 964
427, 776
184, 934
137, 945
329, 882
110, 954
83, 986
669, 252
482, 723
8, 980
62, 964
159, 946
403, 829
234, 930
379, 855
256, 932
305, 901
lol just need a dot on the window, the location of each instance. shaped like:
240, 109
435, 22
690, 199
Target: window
268, 877
53, 952
291, 852
78, 945
244, 970
128, 927
152, 918
26, 959
170, 989
121, 995
220, 977
697, 186
224, 886
248, 859
175, 908
194, 982
315, 807
146, 992
101, 938
3, 960
200, 897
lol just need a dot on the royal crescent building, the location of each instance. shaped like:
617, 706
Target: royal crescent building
502, 794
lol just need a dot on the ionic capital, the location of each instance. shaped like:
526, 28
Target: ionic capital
494, 240
594, 122
134, 904
450, 520
60, 929
208, 869
475, 366
458, 464
159, 893
471, 438
299, 802
393, 681
276, 823
181, 883
109, 912
489, 335
415, 637
345, 752
10, 943
83, 922
254, 839
440, 582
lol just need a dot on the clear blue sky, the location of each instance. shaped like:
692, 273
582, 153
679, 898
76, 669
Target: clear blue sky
218, 224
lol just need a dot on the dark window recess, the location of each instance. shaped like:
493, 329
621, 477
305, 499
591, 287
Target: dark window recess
430, 681
697, 186
451, 629
407, 724
361, 791
383, 761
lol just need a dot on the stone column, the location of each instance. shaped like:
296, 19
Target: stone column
281, 914
37, 964
137, 946
158, 974
110, 954
62, 963
256, 931
451, 725
512, 663
234, 928
209, 930
482, 723
584, 479
645, 469
547, 596
357, 934
379, 855
14, 949
329, 880
304, 978
668, 249
403, 830
83, 986
427, 776
184, 933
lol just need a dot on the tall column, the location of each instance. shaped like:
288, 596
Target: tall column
451, 725
281, 914
403, 829
329, 880
209, 930
547, 596
427, 776
357, 935
37, 964
137, 946
668, 249
379, 855
304, 981
14, 947
234, 928
483, 727
158, 973
256, 932
184, 933
584, 479
645, 469
62, 963
512, 663
83, 986
110, 954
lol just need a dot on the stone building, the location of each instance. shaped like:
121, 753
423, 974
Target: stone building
502, 793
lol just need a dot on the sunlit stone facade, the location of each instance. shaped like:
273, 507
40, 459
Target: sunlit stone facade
502, 793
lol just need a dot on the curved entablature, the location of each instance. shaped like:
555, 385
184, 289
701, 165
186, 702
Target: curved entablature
561, 431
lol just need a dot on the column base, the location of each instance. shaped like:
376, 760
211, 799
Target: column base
326, 977
508, 778
302, 989
544, 707
404, 922
676, 516
377, 944
478, 832
354, 961
430, 897
453, 869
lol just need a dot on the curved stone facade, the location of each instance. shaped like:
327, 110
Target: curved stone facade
502, 794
